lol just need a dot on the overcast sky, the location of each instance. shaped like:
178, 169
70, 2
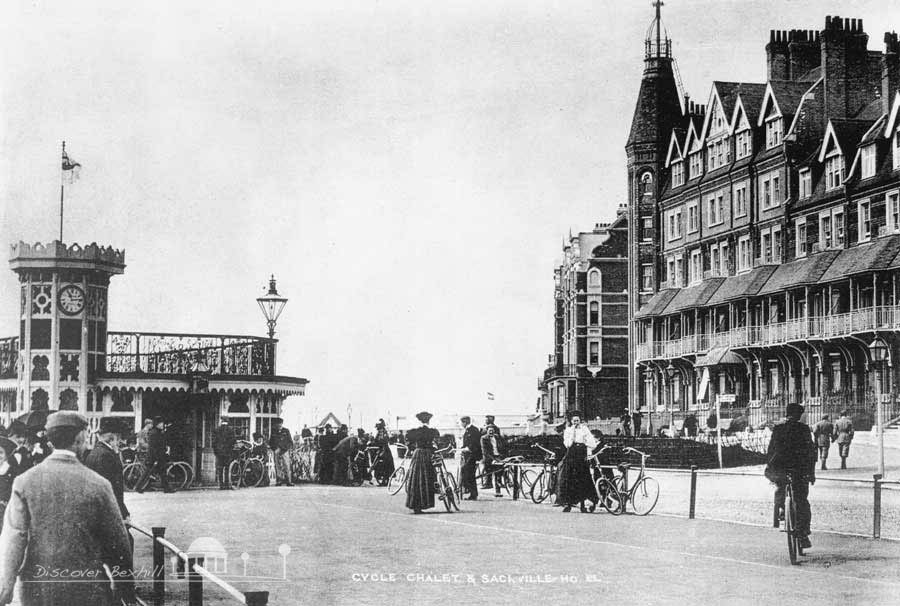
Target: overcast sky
407, 169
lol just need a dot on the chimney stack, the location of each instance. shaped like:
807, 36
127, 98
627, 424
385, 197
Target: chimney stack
845, 67
890, 70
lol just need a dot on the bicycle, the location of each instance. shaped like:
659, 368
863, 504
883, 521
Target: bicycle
180, 474
642, 494
246, 469
446, 486
794, 539
544, 485
398, 478
368, 459
608, 494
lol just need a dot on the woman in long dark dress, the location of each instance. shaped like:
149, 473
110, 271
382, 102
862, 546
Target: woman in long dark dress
7, 474
384, 467
575, 484
421, 476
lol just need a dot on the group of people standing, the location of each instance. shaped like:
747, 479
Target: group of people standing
337, 460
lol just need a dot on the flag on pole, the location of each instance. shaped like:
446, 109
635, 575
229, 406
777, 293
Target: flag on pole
490, 396
70, 168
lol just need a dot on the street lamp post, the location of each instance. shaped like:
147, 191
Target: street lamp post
880, 353
271, 305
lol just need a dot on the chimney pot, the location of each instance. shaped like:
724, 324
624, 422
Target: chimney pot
828, 22
771, 35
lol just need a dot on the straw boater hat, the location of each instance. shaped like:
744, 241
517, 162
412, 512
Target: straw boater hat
424, 417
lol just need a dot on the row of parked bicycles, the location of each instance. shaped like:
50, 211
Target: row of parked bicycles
616, 492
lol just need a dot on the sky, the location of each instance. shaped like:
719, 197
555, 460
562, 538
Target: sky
406, 169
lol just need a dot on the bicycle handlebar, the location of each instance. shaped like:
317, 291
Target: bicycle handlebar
635, 450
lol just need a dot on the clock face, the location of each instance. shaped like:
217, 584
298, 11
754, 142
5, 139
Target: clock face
71, 300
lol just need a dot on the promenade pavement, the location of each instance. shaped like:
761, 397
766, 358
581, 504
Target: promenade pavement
361, 546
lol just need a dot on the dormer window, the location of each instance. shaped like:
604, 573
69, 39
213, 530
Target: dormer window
677, 173
867, 155
773, 133
718, 153
696, 160
834, 172
805, 183
897, 149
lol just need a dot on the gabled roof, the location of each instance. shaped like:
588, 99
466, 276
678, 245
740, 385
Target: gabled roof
721, 97
784, 96
892, 118
808, 94
870, 137
749, 101
695, 124
674, 146
844, 135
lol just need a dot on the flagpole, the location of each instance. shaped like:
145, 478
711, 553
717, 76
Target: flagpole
62, 189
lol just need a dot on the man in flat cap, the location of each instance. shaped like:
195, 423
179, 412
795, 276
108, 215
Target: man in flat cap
223, 447
104, 459
62, 527
156, 456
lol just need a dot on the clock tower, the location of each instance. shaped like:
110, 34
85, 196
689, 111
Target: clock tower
63, 318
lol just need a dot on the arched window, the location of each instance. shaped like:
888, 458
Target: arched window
647, 184
68, 400
39, 398
594, 314
594, 278
121, 401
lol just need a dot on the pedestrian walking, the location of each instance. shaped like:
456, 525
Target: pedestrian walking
637, 418
104, 460
575, 484
471, 454
421, 475
282, 442
157, 458
843, 435
63, 517
223, 448
823, 432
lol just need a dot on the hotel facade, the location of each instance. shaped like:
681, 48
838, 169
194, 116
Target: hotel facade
764, 231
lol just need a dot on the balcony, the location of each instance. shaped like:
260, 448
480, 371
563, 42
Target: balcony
9, 357
833, 326
181, 354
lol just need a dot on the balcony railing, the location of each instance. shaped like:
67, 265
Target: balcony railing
9, 357
182, 354
832, 326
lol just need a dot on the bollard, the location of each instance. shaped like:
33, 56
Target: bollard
693, 492
515, 487
159, 564
876, 508
256, 598
195, 583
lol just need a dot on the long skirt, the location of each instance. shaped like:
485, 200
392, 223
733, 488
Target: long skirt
421, 479
575, 483
384, 467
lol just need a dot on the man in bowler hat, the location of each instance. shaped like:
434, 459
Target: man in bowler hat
471, 453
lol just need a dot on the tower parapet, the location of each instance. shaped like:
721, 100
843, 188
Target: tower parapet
74, 256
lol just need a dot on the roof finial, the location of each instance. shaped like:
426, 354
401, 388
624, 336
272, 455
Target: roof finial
658, 4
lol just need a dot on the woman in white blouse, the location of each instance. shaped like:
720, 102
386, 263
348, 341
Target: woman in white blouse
575, 473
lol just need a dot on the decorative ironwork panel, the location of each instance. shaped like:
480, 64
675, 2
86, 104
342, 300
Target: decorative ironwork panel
68, 367
41, 299
40, 368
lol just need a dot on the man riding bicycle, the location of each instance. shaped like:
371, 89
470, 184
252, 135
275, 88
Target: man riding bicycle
792, 451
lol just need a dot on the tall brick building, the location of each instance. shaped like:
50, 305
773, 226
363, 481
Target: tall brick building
587, 371
764, 230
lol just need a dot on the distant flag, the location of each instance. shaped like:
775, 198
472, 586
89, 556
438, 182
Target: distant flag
70, 168
490, 396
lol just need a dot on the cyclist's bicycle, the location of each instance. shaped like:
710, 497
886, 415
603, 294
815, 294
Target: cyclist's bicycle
366, 466
544, 485
794, 539
179, 474
642, 494
608, 494
398, 478
246, 470
446, 488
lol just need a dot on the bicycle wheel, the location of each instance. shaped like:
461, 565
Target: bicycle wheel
609, 497
234, 474
188, 474
132, 474
453, 494
643, 496
540, 488
253, 473
789, 528
527, 478
397, 480
176, 476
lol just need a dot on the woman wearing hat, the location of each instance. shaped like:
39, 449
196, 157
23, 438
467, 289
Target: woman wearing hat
7, 475
384, 464
421, 477
575, 484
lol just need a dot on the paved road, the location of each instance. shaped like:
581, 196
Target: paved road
361, 546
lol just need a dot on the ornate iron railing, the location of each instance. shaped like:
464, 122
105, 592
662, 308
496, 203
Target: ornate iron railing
9, 357
183, 354
832, 326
